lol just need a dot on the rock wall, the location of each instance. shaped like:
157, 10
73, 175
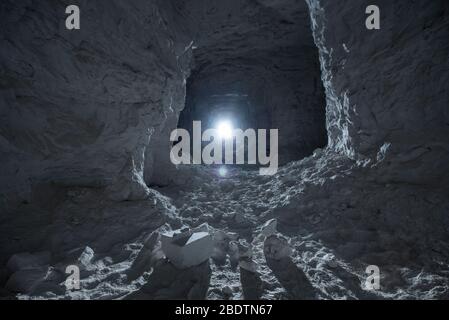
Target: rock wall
82, 107
84, 121
386, 89
94, 107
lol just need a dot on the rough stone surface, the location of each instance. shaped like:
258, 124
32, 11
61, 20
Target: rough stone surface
83, 124
27, 260
24, 281
187, 249
79, 107
168, 282
386, 90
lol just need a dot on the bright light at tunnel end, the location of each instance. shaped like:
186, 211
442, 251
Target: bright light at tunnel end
225, 129
195, 151
222, 171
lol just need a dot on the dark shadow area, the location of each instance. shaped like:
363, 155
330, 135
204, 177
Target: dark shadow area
252, 285
168, 282
292, 279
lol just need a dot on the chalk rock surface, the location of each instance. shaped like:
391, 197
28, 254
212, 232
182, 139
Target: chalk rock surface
186, 248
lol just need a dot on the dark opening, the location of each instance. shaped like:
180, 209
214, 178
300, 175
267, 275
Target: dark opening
262, 76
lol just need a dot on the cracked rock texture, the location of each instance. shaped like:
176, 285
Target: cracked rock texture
78, 107
85, 177
386, 90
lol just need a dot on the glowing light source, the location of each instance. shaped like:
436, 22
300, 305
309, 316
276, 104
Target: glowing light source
222, 171
225, 129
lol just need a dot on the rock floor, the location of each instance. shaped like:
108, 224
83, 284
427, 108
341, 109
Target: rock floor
333, 219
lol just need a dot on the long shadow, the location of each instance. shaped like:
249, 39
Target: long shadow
292, 279
353, 283
168, 282
252, 285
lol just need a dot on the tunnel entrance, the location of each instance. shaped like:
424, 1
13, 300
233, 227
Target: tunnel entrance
265, 74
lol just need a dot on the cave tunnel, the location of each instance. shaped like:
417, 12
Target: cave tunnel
266, 76
93, 205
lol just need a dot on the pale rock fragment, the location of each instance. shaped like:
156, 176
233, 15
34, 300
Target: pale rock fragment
186, 249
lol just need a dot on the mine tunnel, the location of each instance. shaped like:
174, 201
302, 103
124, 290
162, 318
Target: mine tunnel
271, 79
91, 92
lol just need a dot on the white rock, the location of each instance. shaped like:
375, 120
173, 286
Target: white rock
186, 249
269, 228
86, 257
203, 228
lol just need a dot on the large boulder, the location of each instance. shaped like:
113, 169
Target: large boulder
31, 274
147, 257
276, 248
26, 260
168, 282
186, 248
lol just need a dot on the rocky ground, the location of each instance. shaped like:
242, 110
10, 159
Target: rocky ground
309, 232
